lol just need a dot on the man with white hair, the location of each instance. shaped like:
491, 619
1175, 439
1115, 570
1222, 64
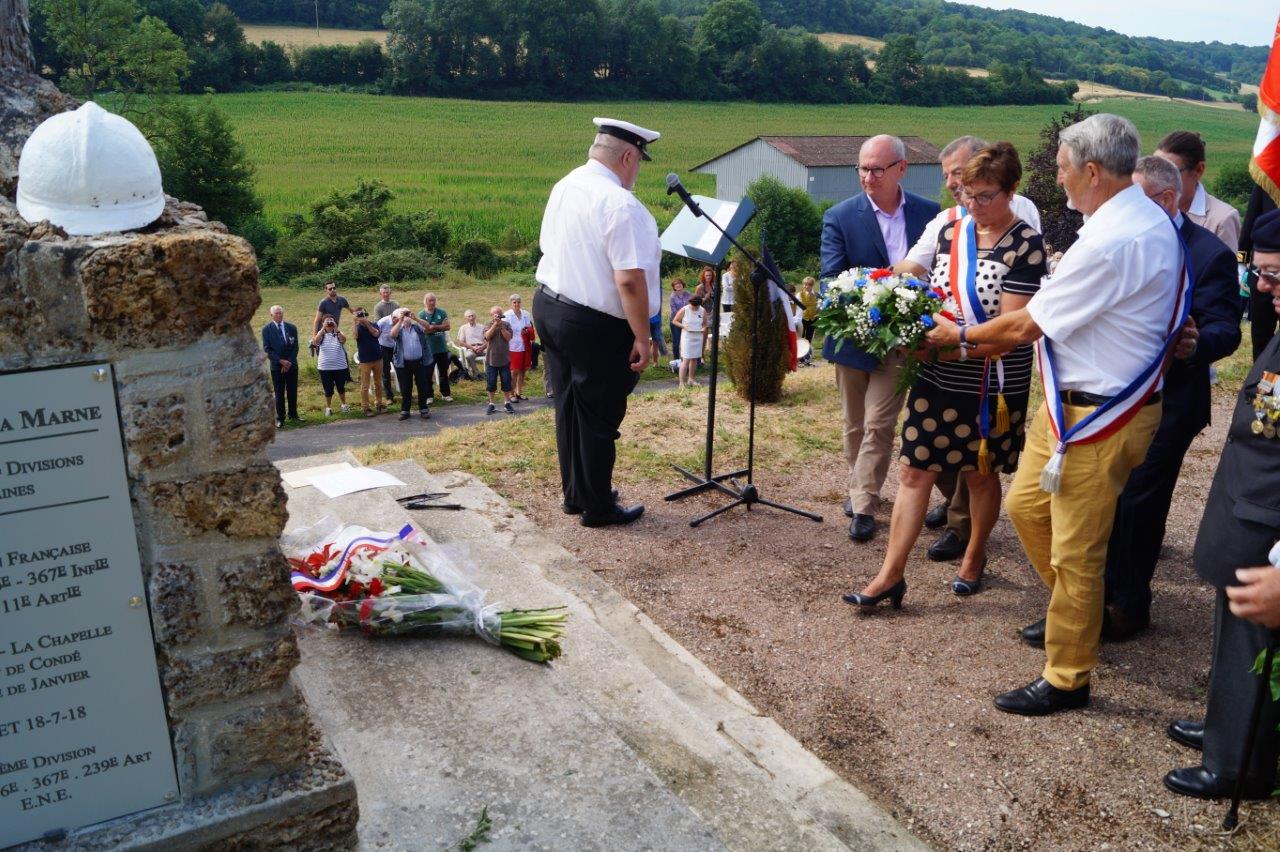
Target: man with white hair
280, 342
472, 343
598, 284
1104, 325
875, 229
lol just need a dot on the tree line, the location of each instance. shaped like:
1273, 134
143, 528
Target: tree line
948, 34
530, 49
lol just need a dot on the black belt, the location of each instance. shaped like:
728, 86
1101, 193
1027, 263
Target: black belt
564, 300
1075, 397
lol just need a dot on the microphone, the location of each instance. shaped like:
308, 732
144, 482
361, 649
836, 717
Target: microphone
675, 186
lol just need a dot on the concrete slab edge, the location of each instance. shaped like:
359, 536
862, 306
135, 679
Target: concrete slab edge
798, 775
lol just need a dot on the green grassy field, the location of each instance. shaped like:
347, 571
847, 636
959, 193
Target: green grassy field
487, 166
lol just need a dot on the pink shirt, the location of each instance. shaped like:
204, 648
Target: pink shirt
893, 227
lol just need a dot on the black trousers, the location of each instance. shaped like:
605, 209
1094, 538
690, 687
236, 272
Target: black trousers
1232, 691
388, 353
285, 384
588, 355
414, 371
1141, 513
440, 361
1262, 317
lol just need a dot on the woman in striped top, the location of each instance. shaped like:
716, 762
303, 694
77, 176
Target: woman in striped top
332, 363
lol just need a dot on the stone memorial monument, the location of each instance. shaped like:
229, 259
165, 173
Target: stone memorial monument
145, 646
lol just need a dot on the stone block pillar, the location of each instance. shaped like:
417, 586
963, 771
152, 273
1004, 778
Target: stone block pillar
168, 308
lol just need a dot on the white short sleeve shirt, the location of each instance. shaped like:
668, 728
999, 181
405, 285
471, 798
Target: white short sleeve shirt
1108, 305
593, 227
926, 248
518, 325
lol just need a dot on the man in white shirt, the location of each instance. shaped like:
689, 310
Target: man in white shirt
598, 285
1106, 313
1185, 149
954, 513
471, 341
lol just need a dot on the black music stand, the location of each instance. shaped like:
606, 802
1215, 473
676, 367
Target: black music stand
687, 233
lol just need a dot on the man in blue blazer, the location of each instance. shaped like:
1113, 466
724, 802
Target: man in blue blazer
1143, 507
280, 342
874, 229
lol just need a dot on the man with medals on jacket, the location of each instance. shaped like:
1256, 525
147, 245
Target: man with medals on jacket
1236, 552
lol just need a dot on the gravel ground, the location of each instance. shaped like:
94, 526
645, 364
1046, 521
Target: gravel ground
900, 703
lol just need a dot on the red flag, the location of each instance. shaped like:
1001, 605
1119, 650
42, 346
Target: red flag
1265, 165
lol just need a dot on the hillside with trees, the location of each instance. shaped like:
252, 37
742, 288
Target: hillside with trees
951, 34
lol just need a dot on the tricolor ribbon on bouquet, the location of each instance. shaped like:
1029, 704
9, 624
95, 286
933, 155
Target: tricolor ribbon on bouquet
963, 279
1110, 417
334, 577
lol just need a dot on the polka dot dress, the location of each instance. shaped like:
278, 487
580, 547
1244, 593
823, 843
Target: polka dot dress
941, 430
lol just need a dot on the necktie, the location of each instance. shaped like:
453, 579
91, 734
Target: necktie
281, 327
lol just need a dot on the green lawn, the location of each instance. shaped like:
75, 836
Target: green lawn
487, 166
455, 293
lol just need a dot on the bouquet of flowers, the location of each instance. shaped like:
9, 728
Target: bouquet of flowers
385, 584
879, 311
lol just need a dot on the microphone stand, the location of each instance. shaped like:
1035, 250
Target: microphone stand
743, 494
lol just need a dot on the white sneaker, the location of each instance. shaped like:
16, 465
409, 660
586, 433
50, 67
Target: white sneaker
328, 412
448, 399
346, 407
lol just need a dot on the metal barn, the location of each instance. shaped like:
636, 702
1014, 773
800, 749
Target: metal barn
824, 166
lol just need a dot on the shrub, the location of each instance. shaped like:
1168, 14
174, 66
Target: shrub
477, 257
424, 231
1234, 184
367, 270
790, 220
772, 355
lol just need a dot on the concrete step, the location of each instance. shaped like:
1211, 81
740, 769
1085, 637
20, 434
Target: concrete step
627, 741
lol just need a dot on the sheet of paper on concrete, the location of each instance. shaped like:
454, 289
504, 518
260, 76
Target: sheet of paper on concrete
349, 481
302, 478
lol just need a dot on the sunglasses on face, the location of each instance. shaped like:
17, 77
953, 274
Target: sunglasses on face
982, 199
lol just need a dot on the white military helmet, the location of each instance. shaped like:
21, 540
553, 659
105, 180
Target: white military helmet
89, 171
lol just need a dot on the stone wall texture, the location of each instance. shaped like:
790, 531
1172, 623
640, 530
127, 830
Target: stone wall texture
168, 308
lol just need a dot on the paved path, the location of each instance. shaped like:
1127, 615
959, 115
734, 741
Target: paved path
388, 429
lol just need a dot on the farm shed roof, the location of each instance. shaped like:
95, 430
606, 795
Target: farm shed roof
834, 150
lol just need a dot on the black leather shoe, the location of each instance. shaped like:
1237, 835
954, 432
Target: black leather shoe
1033, 634
893, 595
570, 509
848, 508
1200, 783
1040, 698
1118, 627
936, 518
1187, 732
616, 515
948, 546
862, 528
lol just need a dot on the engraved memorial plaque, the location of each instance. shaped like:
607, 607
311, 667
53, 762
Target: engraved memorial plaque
83, 733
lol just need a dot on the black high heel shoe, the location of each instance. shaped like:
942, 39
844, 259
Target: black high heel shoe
893, 594
963, 588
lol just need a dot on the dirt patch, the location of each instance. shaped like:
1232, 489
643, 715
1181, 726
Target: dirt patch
900, 703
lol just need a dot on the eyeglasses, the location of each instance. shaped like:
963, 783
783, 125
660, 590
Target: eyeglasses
1272, 275
982, 199
876, 172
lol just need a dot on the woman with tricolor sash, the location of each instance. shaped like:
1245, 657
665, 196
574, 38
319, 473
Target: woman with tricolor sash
967, 410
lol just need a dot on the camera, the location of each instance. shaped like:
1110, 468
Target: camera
361, 314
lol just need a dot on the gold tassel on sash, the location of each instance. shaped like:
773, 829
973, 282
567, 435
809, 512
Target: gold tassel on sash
984, 457
1002, 415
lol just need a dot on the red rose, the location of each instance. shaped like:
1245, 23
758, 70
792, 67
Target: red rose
877, 274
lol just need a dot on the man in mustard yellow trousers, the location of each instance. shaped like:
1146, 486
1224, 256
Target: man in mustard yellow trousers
1103, 326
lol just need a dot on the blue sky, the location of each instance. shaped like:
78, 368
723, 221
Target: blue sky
1238, 21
